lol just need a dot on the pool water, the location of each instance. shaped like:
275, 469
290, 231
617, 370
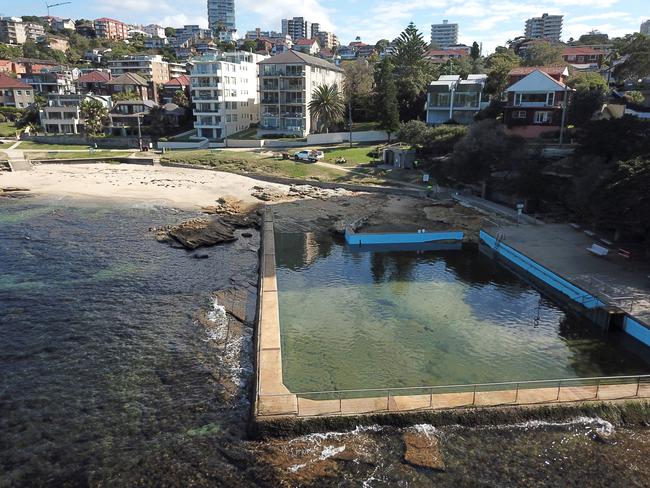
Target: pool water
356, 319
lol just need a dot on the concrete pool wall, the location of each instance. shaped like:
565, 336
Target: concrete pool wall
631, 325
274, 399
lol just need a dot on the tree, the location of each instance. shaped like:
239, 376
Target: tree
95, 117
431, 141
615, 139
386, 93
8, 51
636, 49
590, 90
381, 45
327, 105
358, 89
475, 51
249, 45
413, 73
498, 66
170, 32
158, 123
125, 95
180, 99
543, 53
484, 149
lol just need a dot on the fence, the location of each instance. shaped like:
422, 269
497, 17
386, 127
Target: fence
362, 136
395, 400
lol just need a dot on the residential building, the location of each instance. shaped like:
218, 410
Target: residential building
155, 42
62, 114
225, 93
347, 53
327, 39
12, 30
287, 81
169, 89
94, 82
559, 73
111, 29
297, 28
179, 69
444, 55
34, 31
151, 67
645, 28
451, 98
544, 27
445, 34
187, 32
259, 34
583, 58
15, 93
535, 102
86, 30
308, 46
154, 30
129, 117
129, 82
96, 55
58, 24
221, 16
55, 81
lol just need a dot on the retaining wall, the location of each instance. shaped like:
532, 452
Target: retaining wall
123, 160
335, 137
183, 145
102, 142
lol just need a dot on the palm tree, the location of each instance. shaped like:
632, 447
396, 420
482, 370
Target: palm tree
327, 105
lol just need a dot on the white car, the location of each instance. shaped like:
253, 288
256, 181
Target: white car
311, 156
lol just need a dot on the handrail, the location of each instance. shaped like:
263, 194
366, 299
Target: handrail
470, 386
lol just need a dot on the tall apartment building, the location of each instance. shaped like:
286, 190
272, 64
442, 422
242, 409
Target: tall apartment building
327, 39
34, 31
221, 15
259, 34
151, 67
188, 32
645, 28
225, 93
12, 30
445, 34
287, 82
111, 29
544, 27
297, 28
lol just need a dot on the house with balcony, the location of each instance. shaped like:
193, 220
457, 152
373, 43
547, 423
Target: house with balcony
129, 82
224, 93
535, 103
62, 114
451, 98
169, 89
583, 58
287, 82
94, 82
129, 117
15, 93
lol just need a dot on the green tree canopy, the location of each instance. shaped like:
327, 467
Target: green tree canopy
180, 99
358, 89
95, 117
327, 105
543, 53
636, 49
615, 139
433, 141
498, 65
386, 95
590, 91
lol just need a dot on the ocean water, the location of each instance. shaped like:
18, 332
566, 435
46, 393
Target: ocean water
107, 375
355, 319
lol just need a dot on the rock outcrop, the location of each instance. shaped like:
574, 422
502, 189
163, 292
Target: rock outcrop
423, 450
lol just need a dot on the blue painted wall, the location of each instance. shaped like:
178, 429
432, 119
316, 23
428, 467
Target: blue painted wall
637, 329
540, 272
402, 238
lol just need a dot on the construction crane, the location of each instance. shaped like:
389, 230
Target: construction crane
50, 5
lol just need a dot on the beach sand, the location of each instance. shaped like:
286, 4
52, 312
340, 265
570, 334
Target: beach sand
178, 187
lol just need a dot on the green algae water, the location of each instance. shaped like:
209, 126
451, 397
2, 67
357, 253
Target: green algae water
356, 319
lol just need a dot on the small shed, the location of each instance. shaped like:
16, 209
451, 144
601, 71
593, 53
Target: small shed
399, 156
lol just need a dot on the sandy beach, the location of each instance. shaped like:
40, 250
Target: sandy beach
178, 187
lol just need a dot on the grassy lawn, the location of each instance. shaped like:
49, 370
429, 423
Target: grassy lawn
7, 129
354, 156
363, 126
243, 162
76, 155
49, 147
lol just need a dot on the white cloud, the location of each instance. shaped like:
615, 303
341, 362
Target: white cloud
273, 11
179, 20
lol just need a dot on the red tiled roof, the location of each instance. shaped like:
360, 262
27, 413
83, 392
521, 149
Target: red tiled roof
578, 51
526, 70
182, 80
94, 77
106, 19
448, 52
9, 82
305, 42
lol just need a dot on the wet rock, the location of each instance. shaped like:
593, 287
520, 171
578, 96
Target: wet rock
200, 256
422, 450
235, 301
195, 233
602, 437
339, 226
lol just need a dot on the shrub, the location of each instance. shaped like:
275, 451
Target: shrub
432, 141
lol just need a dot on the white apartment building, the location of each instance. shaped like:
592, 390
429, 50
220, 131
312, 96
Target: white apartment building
287, 82
224, 92
445, 34
152, 67
62, 114
645, 28
154, 30
12, 30
34, 31
544, 27
59, 24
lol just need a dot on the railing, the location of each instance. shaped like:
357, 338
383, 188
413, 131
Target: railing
529, 392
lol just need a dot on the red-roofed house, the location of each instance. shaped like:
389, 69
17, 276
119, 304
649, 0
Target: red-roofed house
307, 46
169, 89
15, 93
94, 82
6, 66
535, 104
444, 55
558, 73
583, 58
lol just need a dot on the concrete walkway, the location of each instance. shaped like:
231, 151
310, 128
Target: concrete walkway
564, 250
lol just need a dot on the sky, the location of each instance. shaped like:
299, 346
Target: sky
490, 22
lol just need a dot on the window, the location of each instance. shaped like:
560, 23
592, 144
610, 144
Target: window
542, 117
550, 98
19, 92
519, 114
